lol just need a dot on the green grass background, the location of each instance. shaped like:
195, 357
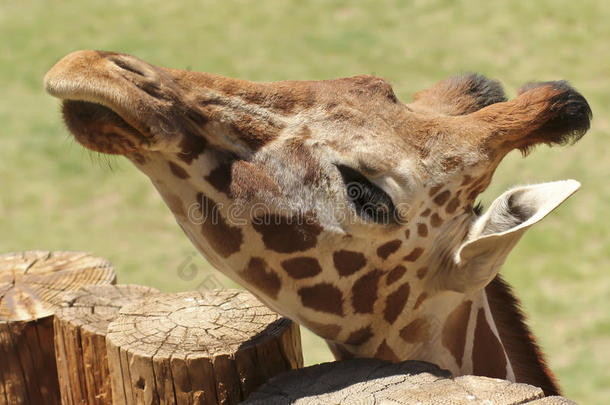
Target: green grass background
54, 195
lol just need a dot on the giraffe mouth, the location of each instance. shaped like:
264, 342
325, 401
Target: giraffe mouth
103, 105
101, 129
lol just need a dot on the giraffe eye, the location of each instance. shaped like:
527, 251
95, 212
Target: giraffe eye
369, 201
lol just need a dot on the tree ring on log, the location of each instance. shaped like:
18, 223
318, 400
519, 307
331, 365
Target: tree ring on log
205, 347
31, 283
80, 340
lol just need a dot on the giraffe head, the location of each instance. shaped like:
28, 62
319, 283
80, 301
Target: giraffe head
334, 202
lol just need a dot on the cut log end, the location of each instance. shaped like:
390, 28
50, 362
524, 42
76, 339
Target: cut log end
203, 347
80, 340
93, 307
371, 381
31, 285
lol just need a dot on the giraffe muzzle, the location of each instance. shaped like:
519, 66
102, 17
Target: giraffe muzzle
112, 103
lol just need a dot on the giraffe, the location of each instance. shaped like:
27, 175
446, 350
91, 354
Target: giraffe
338, 205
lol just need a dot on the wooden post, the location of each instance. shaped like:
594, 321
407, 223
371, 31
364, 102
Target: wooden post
31, 284
371, 381
208, 347
80, 340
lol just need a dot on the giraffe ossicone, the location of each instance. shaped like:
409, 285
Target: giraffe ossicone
338, 205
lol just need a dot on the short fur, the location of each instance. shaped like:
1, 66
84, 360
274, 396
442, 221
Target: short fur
462, 94
212, 143
524, 354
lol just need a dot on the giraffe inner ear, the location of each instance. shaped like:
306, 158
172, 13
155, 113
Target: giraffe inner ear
494, 234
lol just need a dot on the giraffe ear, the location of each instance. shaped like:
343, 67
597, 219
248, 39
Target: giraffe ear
495, 233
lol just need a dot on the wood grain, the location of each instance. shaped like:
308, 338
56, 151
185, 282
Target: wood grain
372, 381
31, 285
80, 340
212, 347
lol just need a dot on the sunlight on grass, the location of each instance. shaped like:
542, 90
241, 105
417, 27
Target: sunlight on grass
55, 195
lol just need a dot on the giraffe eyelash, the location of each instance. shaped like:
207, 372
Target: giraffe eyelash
369, 200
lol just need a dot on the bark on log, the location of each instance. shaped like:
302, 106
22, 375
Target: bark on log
31, 284
209, 347
371, 381
80, 340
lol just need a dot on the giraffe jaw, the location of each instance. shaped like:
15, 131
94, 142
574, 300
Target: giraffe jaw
101, 129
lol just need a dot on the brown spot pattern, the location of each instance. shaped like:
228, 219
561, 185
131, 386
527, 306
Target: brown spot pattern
264, 279
488, 358
327, 331
435, 220
385, 352
422, 297
442, 198
364, 292
323, 297
388, 248
407, 233
302, 267
191, 147
454, 331
414, 255
223, 238
421, 273
220, 176
426, 212
467, 179
453, 205
422, 230
178, 171
175, 204
435, 190
359, 336
348, 262
287, 235
395, 274
416, 331
395, 303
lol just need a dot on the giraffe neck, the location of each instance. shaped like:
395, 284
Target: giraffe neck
454, 331
484, 334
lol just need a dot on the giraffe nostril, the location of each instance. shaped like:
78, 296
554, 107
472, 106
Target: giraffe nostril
126, 66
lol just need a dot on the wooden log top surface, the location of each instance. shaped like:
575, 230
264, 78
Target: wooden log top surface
31, 283
371, 381
93, 307
188, 324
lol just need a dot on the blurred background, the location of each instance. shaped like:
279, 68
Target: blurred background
55, 195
